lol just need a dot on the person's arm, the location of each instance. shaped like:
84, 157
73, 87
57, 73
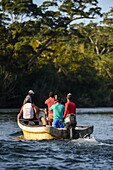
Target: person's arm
66, 109
75, 109
51, 108
36, 110
46, 102
21, 111
63, 114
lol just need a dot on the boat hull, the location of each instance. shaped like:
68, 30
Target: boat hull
37, 132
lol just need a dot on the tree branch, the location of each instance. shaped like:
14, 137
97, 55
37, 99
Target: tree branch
79, 18
96, 46
44, 47
103, 50
91, 39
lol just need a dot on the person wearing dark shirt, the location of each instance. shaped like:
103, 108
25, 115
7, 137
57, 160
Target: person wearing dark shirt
70, 107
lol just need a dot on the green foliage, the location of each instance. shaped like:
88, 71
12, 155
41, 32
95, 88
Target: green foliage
108, 18
42, 48
19, 9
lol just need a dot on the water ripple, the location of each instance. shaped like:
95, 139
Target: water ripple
95, 153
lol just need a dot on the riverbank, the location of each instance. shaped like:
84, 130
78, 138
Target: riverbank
79, 110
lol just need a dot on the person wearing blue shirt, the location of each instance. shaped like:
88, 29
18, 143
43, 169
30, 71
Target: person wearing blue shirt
58, 112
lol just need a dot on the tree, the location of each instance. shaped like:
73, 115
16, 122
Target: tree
50, 24
33, 31
56, 23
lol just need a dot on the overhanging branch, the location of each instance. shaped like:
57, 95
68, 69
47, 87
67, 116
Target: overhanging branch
43, 48
82, 17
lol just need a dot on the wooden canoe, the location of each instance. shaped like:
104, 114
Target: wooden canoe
40, 132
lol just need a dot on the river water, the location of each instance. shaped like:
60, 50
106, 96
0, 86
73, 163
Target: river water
81, 154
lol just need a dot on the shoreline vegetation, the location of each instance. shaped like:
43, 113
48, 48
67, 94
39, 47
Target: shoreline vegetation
43, 48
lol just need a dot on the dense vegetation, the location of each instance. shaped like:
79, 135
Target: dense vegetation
44, 49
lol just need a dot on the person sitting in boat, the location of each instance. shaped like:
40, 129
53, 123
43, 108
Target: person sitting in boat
58, 112
29, 96
41, 117
49, 102
29, 111
70, 107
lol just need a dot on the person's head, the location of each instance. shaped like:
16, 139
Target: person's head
58, 100
62, 102
51, 94
69, 96
31, 92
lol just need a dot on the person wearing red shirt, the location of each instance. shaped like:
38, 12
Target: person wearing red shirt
70, 107
50, 101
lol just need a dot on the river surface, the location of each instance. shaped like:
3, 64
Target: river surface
81, 154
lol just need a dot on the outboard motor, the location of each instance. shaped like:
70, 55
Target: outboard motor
70, 123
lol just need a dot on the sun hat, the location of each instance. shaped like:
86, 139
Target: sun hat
31, 92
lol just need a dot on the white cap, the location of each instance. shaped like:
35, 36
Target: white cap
69, 95
31, 92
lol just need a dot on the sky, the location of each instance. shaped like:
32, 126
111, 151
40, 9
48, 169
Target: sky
104, 4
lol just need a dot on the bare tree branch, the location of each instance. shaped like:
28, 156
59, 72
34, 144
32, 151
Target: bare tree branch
103, 50
44, 47
96, 46
91, 39
81, 17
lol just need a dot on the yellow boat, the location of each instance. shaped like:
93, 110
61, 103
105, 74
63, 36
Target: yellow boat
40, 132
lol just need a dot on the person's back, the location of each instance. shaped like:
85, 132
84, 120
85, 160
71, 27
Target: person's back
58, 111
70, 107
49, 102
28, 112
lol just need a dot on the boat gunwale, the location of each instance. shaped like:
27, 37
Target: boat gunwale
40, 128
